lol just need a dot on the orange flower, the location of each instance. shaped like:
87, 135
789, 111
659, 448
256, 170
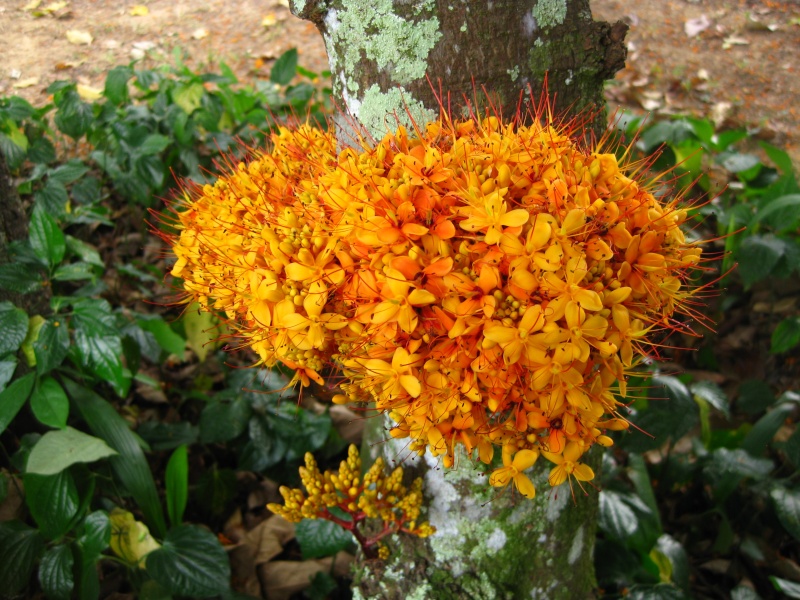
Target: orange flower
513, 470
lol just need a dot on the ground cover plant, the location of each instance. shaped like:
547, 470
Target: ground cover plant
129, 439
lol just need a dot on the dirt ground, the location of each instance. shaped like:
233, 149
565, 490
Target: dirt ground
736, 61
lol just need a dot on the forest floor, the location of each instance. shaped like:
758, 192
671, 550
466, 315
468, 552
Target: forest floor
735, 61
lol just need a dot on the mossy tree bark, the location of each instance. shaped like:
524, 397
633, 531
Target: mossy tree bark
390, 60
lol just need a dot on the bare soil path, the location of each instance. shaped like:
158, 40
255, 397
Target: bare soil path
737, 61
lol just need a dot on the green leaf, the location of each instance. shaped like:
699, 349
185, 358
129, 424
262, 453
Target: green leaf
759, 437
792, 448
52, 198
50, 404
188, 96
285, 68
167, 436
713, 394
20, 278
202, 329
51, 345
754, 396
216, 490
79, 271
790, 588
616, 518
13, 397
742, 592
46, 238
13, 327
86, 252
98, 342
662, 591
637, 473
787, 506
13, 148
53, 502
191, 562
782, 214
55, 573
725, 462
786, 335
116, 88
758, 255
57, 450
130, 467
676, 554
319, 538
170, 341
69, 172
736, 163
177, 483
96, 533
671, 413
41, 151
20, 546
223, 421
74, 116
155, 143
7, 367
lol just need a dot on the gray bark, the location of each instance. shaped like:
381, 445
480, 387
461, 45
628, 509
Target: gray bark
390, 60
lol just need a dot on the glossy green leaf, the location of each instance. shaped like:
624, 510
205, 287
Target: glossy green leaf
51, 345
95, 533
782, 214
739, 463
86, 252
74, 116
758, 255
20, 546
679, 561
285, 68
7, 367
786, 335
50, 404
69, 172
742, 592
790, 588
20, 278
154, 143
98, 342
787, 506
222, 421
713, 394
13, 327
170, 341
177, 484
52, 198
46, 238
53, 501
637, 473
131, 466
616, 517
661, 591
57, 450
116, 87
754, 396
759, 437
191, 562
319, 538
13, 398
55, 572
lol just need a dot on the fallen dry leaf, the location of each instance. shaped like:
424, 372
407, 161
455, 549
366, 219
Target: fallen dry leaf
11, 507
199, 34
694, 27
139, 11
33, 4
26, 83
269, 20
88, 93
79, 38
282, 578
734, 40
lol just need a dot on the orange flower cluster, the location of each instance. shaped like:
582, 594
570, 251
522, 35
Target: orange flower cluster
484, 283
375, 496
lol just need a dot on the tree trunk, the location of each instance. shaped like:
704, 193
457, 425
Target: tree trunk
390, 60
